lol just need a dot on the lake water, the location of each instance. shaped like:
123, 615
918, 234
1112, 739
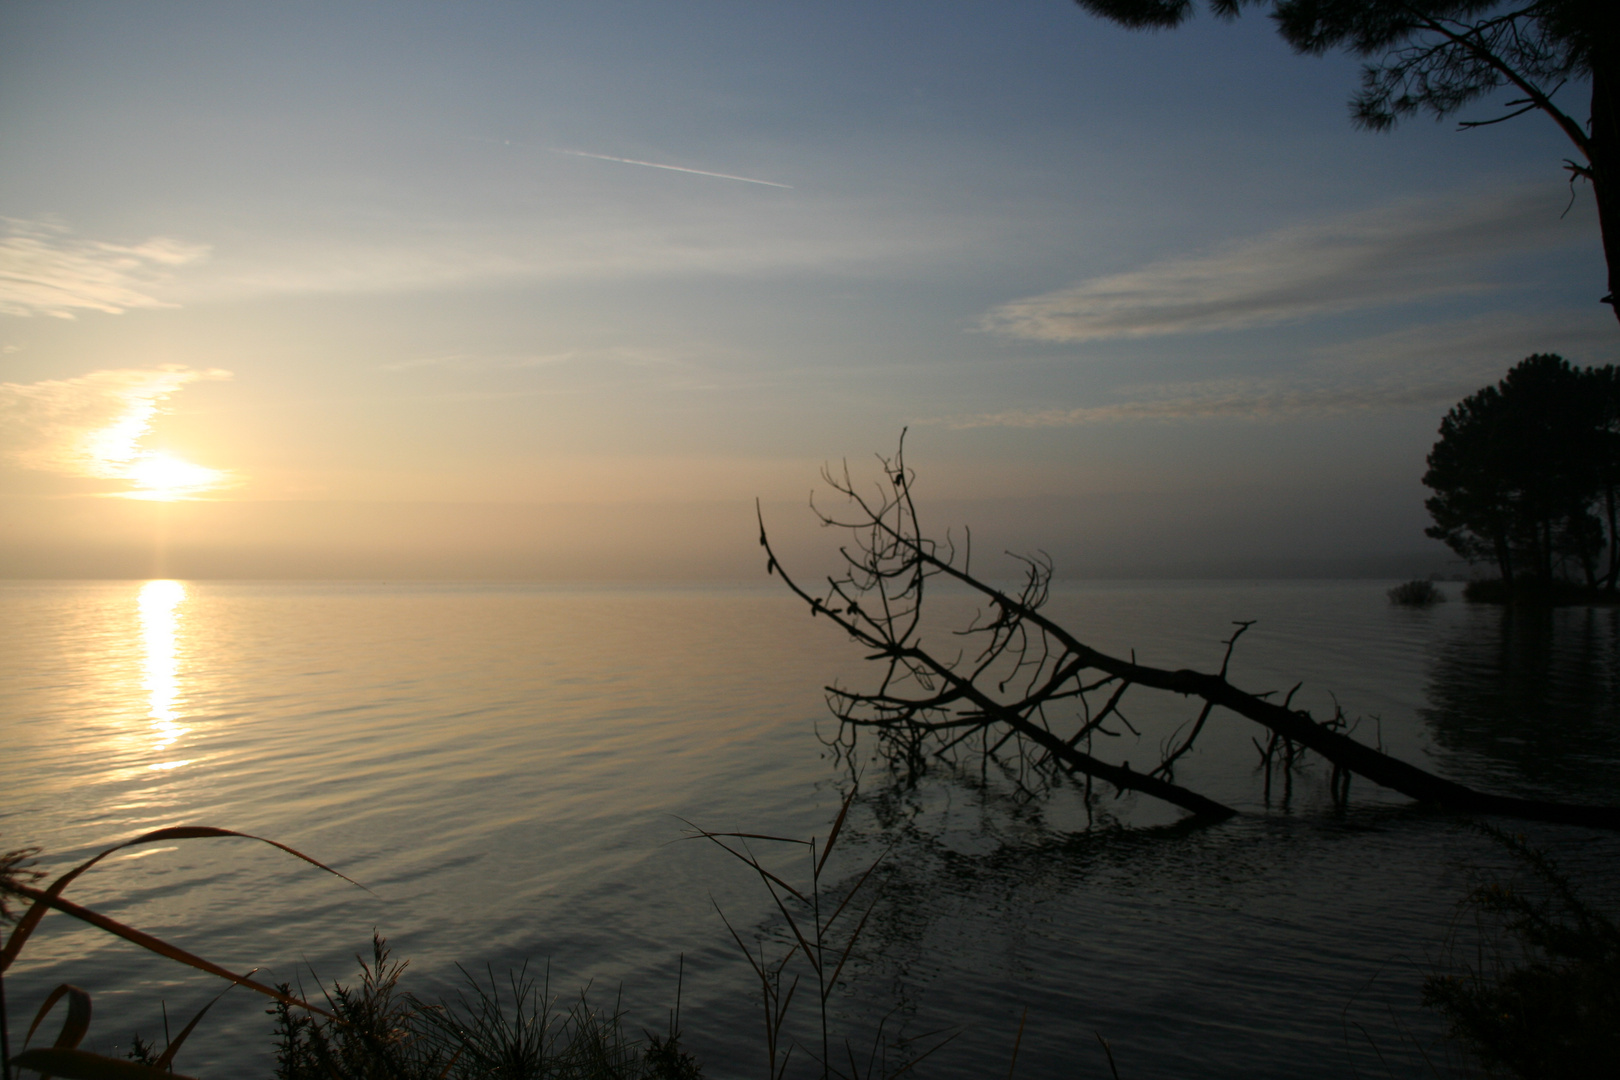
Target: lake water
509, 768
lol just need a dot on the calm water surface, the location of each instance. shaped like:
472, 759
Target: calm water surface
508, 769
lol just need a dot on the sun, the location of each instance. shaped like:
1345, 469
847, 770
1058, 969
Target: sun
113, 450
164, 477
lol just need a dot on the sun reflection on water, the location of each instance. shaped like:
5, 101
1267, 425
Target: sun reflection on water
160, 625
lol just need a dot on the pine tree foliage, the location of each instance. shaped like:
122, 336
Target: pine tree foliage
1438, 56
1525, 475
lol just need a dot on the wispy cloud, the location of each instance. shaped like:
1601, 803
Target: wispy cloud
1252, 399
587, 244
1396, 254
1430, 367
671, 168
92, 427
1467, 351
518, 144
46, 270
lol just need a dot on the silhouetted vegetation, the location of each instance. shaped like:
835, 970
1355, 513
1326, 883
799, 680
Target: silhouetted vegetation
1550, 1012
1419, 594
816, 947
1437, 56
64, 1058
1538, 993
373, 1031
377, 1032
369, 1030
1525, 477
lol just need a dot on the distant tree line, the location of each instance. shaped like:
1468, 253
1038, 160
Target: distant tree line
1525, 476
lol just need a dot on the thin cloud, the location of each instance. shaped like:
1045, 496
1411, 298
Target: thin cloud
1249, 399
1397, 254
630, 161
1477, 348
585, 247
45, 270
1430, 367
92, 426
671, 168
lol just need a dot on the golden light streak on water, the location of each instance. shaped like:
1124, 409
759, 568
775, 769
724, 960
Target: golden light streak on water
160, 604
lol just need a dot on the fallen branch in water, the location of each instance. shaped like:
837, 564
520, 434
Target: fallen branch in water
1032, 682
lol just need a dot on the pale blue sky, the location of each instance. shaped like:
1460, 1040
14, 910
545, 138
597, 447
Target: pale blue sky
1158, 270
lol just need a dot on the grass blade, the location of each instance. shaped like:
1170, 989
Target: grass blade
851, 894
750, 836
734, 936
1108, 1050
162, 948
919, 1059
1017, 1042
809, 954
832, 837
749, 859
78, 1017
848, 948
167, 1060
30, 919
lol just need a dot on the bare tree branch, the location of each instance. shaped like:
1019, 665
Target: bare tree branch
1026, 680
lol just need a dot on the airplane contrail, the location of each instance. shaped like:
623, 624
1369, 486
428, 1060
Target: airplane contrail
671, 168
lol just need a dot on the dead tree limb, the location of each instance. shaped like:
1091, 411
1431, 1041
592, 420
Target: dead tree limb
1021, 677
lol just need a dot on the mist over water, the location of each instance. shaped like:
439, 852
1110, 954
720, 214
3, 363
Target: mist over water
507, 769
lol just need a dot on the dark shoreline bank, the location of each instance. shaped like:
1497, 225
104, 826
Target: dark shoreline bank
1558, 594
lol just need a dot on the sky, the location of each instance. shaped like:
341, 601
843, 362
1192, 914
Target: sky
558, 290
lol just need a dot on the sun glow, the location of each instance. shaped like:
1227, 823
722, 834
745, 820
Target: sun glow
161, 476
102, 426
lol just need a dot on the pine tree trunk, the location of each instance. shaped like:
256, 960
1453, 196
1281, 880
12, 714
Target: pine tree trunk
1604, 143
1612, 580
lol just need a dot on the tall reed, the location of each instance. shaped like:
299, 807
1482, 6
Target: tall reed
815, 946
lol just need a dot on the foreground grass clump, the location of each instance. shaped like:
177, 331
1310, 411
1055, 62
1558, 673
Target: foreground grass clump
377, 1032
63, 1057
1418, 594
1541, 999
